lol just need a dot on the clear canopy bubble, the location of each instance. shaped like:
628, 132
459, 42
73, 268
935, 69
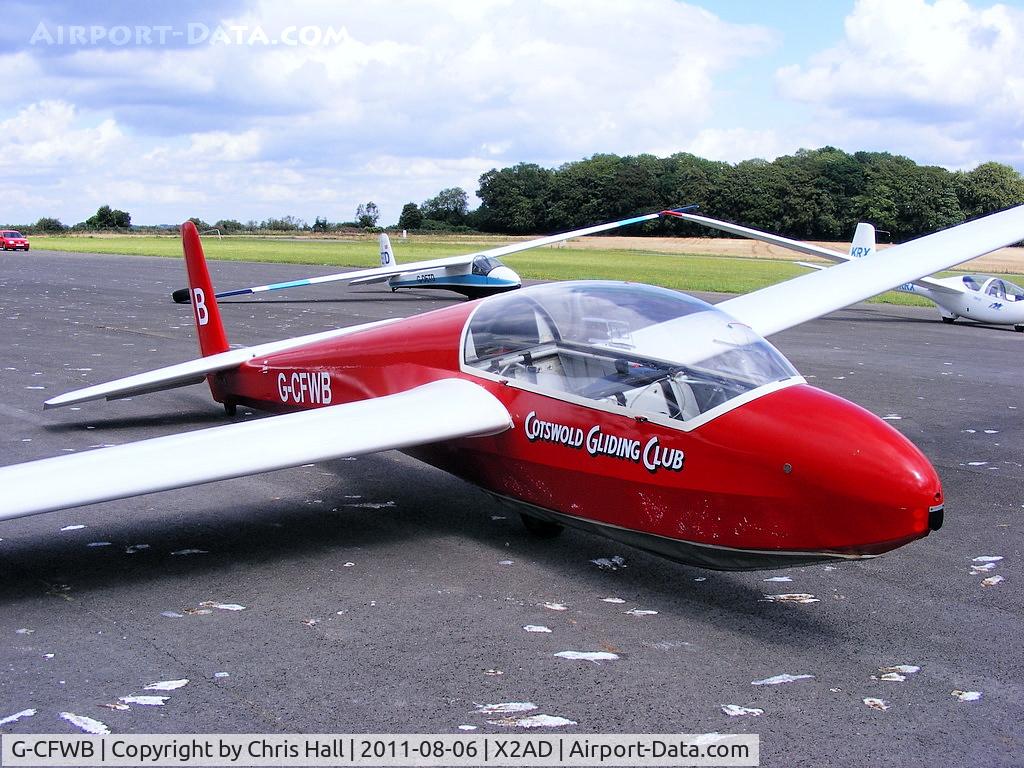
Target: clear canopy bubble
640, 347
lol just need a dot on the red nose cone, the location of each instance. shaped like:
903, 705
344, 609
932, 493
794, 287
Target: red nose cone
839, 479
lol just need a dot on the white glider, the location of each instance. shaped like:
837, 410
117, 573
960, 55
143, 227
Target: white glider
982, 298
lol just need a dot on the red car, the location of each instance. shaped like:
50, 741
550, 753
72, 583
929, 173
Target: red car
11, 240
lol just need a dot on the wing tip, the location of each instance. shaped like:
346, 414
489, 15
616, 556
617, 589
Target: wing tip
678, 212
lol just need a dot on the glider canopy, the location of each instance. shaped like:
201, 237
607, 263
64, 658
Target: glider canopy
637, 346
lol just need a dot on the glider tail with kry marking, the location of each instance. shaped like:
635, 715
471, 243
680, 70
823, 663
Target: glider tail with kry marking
209, 328
863, 241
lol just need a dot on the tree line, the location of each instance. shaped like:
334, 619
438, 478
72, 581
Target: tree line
105, 218
814, 194
817, 194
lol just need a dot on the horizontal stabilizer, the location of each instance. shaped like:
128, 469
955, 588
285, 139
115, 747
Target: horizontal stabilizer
440, 410
195, 371
810, 265
937, 286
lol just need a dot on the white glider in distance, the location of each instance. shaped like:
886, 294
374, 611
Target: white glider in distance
982, 298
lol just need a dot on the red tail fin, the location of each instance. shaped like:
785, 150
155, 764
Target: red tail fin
209, 327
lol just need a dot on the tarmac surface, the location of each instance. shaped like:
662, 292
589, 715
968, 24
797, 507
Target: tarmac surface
381, 595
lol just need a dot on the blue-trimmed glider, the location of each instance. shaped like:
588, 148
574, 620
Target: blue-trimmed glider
473, 275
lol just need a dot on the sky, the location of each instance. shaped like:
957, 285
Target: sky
250, 109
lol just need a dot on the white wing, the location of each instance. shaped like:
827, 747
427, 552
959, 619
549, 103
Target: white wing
376, 274
526, 245
766, 237
379, 274
195, 371
939, 287
799, 247
441, 410
796, 301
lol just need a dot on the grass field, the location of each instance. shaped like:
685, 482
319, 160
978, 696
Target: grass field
685, 271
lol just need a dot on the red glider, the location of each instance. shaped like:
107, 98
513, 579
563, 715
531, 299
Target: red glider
636, 412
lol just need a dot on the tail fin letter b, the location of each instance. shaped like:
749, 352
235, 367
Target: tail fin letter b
209, 328
199, 303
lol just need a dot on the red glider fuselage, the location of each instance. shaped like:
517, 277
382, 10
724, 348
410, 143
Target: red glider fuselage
793, 476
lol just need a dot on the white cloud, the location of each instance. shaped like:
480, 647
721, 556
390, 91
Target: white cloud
225, 146
736, 144
48, 134
942, 81
412, 97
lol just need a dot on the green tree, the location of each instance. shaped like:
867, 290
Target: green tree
200, 224
689, 180
367, 215
515, 199
638, 179
819, 185
47, 224
584, 192
989, 188
904, 198
811, 194
101, 219
107, 218
933, 203
751, 192
229, 225
320, 224
411, 217
449, 206
283, 224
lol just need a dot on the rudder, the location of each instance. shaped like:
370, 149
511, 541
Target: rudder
863, 241
387, 256
209, 328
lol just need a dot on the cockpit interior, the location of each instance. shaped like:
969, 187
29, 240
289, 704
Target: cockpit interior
996, 287
638, 347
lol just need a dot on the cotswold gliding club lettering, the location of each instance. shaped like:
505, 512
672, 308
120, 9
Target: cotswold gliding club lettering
651, 454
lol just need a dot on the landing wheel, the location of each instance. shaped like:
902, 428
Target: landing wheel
230, 408
1019, 328
949, 320
542, 529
